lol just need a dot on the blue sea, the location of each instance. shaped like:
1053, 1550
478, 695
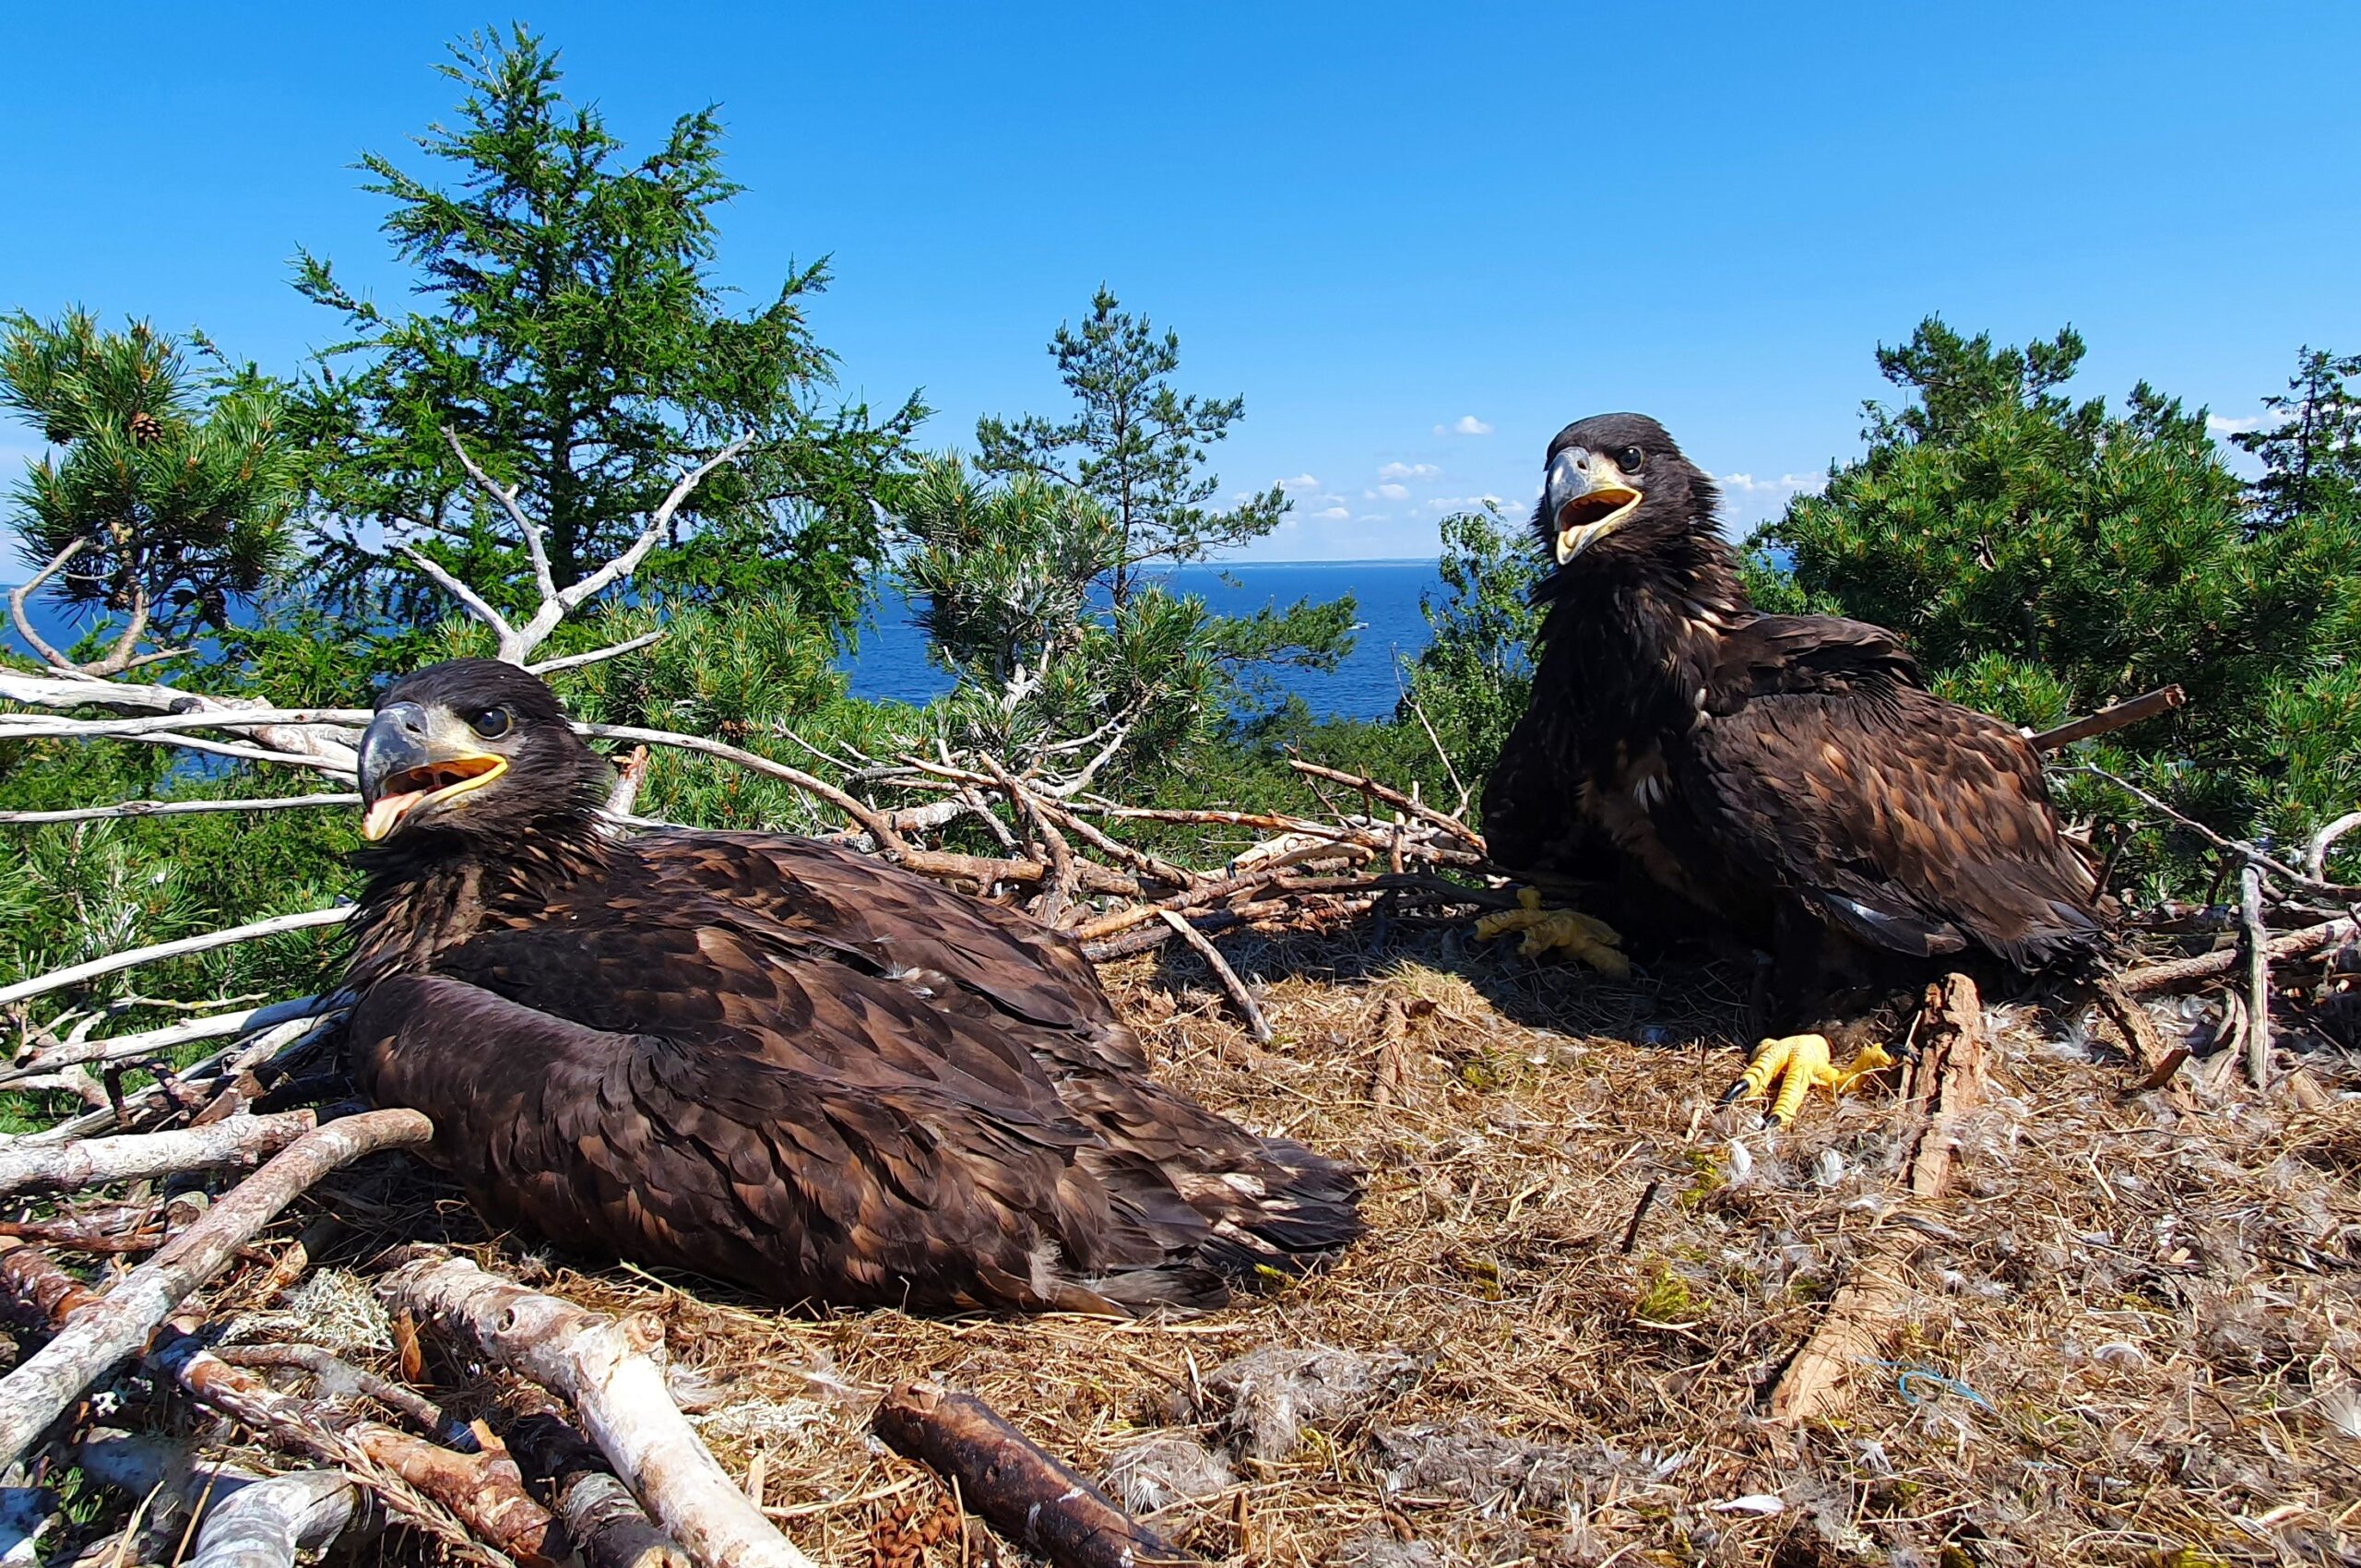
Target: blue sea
891, 660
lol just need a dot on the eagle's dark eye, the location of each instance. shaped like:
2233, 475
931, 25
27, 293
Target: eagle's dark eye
492, 723
1631, 459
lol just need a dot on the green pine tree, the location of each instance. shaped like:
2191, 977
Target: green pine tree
575, 341
2046, 556
171, 492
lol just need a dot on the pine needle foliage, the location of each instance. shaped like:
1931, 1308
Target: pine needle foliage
2047, 556
575, 341
170, 486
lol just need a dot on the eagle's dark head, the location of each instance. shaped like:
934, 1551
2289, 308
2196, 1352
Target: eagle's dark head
474, 750
1617, 483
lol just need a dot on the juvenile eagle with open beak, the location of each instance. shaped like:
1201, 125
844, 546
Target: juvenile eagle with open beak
771, 1061
1784, 780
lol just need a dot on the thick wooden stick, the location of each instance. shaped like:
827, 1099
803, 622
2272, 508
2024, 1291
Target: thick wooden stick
234, 1141
47, 1382
2182, 972
2107, 720
1022, 1491
604, 1521
2257, 948
601, 1366
247, 1520
1257, 1025
1946, 1080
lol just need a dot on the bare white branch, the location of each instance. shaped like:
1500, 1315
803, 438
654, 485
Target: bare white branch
176, 808
92, 1162
75, 974
600, 1365
104, 1333
518, 643
24, 591
623, 566
535, 544
149, 1042
2315, 853
597, 656
510, 643
34, 727
315, 747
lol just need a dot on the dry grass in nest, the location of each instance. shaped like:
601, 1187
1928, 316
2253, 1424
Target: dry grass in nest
2132, 1339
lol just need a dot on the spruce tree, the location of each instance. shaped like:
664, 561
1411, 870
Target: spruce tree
575, 339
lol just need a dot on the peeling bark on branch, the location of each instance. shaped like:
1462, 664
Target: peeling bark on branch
236, 1141
244, 1520
601, 1366
46, 1382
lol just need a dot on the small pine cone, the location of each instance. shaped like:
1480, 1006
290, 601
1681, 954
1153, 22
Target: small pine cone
145, 429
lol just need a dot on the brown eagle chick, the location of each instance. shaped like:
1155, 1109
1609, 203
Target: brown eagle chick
1788, 777
771, 1061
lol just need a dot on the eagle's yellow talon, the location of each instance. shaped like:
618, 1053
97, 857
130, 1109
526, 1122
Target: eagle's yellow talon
1592, 940
1797, 1062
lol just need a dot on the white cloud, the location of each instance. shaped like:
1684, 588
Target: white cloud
1300, 482
1334, 514
1441, 504
1408, 471
1467, 424
2216, 426
1390, 492
1786, 485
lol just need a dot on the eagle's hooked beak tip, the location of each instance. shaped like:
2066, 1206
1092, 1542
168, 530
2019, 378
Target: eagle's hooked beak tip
1584, 505
1587, 518
411, 760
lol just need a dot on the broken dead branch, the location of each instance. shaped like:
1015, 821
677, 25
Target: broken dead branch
1395, 798
1256, 1025
516, 643
1021, 1491
602, 1519
602, 1367
483, 1492
1946, 1082
71, 1053
225, 1145
176, 808
240, 1519
2183, 973
47, 1382
2107, 720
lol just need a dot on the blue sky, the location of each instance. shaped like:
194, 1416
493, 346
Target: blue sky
1419, 240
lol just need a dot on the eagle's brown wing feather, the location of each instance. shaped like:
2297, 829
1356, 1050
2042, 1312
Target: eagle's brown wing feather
1915, 824
767, 1065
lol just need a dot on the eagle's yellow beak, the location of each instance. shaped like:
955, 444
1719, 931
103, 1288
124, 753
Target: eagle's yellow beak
411, 758
1588, 499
